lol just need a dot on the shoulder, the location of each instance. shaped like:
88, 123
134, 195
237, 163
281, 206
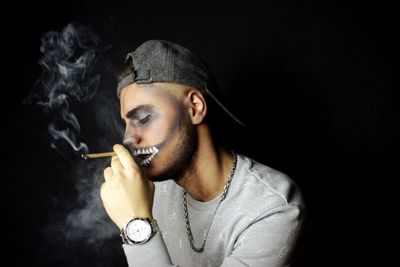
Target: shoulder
261, 182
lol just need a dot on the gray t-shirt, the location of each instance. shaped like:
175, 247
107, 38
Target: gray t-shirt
256, 225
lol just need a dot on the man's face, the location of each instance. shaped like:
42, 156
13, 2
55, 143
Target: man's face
158, 129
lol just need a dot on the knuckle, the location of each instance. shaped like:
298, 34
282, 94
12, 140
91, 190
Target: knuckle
106, 171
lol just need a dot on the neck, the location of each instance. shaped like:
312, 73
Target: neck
212, 168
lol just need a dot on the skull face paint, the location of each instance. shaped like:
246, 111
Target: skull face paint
158, 131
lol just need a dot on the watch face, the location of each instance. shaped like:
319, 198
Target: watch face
138, 230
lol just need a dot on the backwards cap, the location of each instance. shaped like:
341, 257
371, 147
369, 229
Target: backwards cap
163, 61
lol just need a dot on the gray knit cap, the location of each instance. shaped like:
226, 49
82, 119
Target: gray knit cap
163, 61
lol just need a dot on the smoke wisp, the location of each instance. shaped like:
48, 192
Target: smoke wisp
70, 82
67, 78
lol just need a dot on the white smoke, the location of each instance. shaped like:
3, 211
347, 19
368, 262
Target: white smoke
69, 81
67, 78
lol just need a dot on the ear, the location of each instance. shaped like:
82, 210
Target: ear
196, 105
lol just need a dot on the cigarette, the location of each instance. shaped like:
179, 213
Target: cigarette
98, 155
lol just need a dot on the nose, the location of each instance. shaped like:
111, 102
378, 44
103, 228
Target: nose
131, 138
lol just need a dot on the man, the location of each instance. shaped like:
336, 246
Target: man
180, 198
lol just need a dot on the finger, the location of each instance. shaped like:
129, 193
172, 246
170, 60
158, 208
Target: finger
108, 174
124, 157
103, 191
116, 165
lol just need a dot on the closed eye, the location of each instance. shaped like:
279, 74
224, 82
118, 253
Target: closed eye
140, 115
145, 119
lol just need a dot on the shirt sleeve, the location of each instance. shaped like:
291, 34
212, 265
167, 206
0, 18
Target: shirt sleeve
269, 240
153, 253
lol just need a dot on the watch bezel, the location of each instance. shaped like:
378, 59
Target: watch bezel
125, 231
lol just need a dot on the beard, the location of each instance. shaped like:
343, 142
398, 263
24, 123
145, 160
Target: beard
182, 160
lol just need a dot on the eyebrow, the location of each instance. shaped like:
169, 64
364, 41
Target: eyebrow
135, 111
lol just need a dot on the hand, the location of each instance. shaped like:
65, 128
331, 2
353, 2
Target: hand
125, 192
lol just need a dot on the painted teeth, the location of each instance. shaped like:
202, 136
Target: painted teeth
147, 161
145, 151
152, 151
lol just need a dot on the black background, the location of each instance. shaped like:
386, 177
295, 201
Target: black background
315, 83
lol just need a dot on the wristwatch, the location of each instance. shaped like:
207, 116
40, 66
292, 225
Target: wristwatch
139, 230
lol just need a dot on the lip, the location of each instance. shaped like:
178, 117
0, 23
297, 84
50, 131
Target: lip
144, 156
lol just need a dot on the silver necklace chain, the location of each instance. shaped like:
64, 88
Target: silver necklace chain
186, 213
